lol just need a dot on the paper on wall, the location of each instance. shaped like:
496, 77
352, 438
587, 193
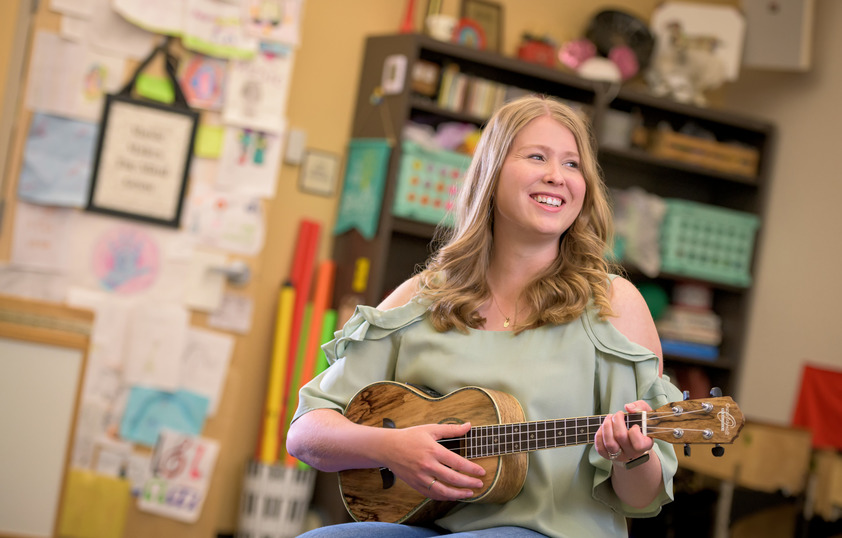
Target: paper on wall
256, 90
224, 221
159, 16
274, 20
73, 28
57, 161
205, 284
202, 79
40, 237
182, 469
75, 8
126, 258
205, 364
112, 33
249, 162
234, 314
149, 410
155, 343
216, 29
70, 79
31, 284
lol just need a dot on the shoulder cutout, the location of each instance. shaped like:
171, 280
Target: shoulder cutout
632, 316
401, 295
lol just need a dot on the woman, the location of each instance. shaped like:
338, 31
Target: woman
519, 299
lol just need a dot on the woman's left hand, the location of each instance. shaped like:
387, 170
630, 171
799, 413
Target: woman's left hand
615, 442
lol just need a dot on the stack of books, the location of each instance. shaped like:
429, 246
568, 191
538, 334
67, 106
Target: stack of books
690, 332
469, 94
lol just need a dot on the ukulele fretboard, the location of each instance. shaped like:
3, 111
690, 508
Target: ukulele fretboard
500, 439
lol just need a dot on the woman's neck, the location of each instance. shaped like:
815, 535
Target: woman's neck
513, 265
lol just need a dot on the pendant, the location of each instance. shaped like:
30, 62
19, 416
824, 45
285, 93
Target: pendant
506, 323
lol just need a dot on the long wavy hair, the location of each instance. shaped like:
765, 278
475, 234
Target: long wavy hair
454, 279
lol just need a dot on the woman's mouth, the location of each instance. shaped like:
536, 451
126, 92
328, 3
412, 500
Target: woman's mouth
551, 201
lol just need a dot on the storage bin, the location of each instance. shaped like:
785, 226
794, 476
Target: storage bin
707, 242
428, 182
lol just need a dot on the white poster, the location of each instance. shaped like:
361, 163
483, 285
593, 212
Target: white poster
70, 79
257, 89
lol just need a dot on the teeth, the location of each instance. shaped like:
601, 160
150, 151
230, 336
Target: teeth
548, 200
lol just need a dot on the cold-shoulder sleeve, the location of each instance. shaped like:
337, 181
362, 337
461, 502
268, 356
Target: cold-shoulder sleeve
628, 372
363, 351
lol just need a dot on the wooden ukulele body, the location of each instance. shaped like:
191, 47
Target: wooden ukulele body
401, 406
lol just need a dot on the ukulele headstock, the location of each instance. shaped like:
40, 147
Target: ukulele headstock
715, 420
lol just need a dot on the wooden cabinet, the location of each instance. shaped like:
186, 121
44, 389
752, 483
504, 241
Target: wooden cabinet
401, 244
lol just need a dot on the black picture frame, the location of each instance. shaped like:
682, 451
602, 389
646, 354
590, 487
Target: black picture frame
488, 16
142, 160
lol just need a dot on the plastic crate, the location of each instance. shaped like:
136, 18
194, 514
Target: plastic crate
708, 242
428, 182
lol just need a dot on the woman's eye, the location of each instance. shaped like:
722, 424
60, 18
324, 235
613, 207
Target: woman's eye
537, 156
572, 164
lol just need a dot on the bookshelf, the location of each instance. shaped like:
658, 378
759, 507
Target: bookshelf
470, 85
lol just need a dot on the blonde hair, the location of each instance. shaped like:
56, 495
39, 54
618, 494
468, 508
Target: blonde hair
454, 279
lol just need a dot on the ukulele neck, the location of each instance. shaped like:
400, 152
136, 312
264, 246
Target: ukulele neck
501, 439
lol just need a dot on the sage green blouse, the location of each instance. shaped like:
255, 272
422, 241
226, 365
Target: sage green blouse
585, 367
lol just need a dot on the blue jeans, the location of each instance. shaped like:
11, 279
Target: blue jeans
395, 530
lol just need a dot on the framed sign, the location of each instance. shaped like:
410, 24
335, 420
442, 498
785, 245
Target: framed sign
319, 172
142, 160
489, 17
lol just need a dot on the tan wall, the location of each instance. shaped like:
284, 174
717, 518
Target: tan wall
788, 324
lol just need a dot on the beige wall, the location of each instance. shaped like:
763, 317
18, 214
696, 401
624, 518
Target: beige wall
788, 324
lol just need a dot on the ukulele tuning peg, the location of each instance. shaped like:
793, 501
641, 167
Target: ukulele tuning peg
716, 392
718, 451
687, 450
686, 394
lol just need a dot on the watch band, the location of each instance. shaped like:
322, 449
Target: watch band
640, 460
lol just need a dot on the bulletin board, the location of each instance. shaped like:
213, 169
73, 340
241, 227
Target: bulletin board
241, 393
43, 351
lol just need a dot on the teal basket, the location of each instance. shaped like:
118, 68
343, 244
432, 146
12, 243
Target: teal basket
708, 242
428, 183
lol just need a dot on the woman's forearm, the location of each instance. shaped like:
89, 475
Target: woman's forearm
639, 486
328, 441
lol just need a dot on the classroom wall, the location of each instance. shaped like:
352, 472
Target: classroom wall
788, 324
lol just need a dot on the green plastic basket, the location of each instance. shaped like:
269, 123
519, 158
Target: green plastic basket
428, 182
708, 242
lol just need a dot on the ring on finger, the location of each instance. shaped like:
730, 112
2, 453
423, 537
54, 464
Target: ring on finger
433, 482
615, 455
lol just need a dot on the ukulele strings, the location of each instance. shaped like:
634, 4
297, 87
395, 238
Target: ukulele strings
649, 416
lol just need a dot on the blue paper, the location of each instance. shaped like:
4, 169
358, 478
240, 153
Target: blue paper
362, 193
57, 161
148, 410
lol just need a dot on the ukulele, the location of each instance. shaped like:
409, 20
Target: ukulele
500, 441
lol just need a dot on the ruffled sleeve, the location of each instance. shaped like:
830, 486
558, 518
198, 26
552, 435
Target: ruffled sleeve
628, 372
363, 351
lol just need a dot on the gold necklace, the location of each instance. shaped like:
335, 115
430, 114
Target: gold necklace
506, 321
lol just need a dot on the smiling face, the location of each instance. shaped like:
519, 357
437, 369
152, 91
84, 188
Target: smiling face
541, 188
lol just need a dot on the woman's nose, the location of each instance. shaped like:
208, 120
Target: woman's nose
554, 175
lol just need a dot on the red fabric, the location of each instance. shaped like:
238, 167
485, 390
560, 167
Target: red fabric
819, 406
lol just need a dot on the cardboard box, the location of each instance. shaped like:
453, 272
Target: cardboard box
765, 457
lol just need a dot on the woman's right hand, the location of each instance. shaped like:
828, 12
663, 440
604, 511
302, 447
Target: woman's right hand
328, 441
415, 456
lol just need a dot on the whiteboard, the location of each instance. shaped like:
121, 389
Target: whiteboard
38, 387
43, 350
